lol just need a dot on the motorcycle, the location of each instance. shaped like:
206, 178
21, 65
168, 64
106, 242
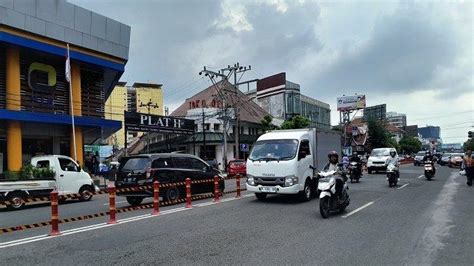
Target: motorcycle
329, 202
429, 170
392, 177
354, 171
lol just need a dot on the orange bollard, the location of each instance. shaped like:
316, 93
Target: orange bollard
156, 198
112, 218
54, 214
188, 193
216, 189
237, 183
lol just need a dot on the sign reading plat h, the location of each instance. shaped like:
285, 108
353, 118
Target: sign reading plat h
348, 103
157, 123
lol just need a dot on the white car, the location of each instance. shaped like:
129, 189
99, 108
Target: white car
378, 159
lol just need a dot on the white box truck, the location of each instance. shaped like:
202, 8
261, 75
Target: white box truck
280, 161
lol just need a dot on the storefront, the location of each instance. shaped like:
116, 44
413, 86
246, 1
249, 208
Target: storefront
35, 96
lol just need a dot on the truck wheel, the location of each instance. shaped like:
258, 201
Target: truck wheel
86, 193
306, 194
261, 196
16, 201
134, 201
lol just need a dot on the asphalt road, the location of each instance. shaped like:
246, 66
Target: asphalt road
418, 223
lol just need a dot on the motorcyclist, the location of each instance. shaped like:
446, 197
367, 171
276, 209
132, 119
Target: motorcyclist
393, 159
468, 166
341, 178
355, 158
429, 158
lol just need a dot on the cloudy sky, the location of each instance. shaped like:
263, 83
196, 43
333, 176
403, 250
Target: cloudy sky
415, 56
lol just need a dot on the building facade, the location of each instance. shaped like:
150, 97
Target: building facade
141, 97
214, 113
36, 106
397, 119
283, 100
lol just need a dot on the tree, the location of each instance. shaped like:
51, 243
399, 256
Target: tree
295, 122
469, 145
393, 143
378, 135
267, 123
410, 145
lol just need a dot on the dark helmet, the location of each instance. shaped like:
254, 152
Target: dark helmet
333, 154
393, 153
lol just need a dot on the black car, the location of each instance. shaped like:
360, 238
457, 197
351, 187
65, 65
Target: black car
143, 170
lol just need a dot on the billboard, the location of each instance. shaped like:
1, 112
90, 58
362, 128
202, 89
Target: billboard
157, 123
348, 103
376, 112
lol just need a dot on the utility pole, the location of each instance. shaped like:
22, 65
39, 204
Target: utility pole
238, 69
148, 105
204, 135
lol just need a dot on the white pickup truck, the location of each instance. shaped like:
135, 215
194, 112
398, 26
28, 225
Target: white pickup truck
69, 179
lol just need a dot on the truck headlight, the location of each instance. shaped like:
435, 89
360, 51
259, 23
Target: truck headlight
291, 180
250, 180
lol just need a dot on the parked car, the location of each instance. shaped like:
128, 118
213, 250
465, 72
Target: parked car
143, 170
68, 178
419, 158
456, 160
445, 159
378, 159
237, 167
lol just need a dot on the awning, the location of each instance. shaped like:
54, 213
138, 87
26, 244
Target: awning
22, 116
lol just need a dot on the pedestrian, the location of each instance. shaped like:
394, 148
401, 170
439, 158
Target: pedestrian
95, 163
468, 166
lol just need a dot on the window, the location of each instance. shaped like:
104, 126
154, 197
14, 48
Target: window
207, 126
68, 165
197, 164
217, 127
305, 147
162, 163
134, 164
42, 164
182, 162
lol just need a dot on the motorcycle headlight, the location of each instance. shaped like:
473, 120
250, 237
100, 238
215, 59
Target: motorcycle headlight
291, 180
250, 180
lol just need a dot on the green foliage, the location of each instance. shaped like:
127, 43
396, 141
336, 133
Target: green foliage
393, 143
378, 135
26, 171
296, 122
44, 173
410, 145
11, 175
469, 145
267, 123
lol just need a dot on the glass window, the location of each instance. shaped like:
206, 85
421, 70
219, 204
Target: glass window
281, 149
68, 165
135, 164
182, 162
42, 164
217, 127
162, 163
305, 147
197, 164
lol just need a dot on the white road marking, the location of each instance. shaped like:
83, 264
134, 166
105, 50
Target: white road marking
358, 209
403, 186
123, 201
103, 225
421, 176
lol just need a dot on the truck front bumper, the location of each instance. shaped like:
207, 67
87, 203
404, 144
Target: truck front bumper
274, 189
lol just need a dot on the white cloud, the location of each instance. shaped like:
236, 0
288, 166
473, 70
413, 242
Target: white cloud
234, 16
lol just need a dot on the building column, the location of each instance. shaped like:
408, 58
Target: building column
77, 111
13, 102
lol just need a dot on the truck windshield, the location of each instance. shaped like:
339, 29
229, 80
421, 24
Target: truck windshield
278, 149
136, 164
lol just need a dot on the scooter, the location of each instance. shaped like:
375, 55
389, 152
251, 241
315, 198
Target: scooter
329, 202
353, 171
392, 177
429, 170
